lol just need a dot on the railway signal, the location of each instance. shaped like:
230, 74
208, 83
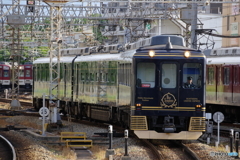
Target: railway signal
30, 5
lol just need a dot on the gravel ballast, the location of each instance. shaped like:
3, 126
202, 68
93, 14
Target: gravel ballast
34, 149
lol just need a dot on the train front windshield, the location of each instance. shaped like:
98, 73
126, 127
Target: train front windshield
192, 75
146, 75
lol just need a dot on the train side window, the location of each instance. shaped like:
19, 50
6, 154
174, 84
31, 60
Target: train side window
43, 75
61, 72
39, 73
92, 76
112, 78
210, 75
34, 73
121, 73
106, 78
100, 77
47, 73
146, 75
86, 50
28, 74
226, 76
5, 73
68, 73
194, 72
82, 77
21, 73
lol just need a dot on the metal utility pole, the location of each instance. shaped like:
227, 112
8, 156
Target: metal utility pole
15, 21
194, 25
2, 20
54, 65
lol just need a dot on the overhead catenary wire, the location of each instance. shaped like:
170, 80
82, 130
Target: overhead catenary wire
209, 32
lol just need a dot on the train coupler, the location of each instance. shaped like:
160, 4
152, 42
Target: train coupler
169, 126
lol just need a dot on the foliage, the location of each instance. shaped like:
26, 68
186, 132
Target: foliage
4, 55
97, 30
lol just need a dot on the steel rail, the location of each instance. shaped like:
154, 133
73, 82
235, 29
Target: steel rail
11, 146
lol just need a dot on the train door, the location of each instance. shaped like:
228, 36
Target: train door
236, 84
211, 83
21, 76
217, 82
28, 76
227, 85
169, 82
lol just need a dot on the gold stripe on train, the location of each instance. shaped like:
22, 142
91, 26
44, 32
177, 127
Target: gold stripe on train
167, 55
170, 109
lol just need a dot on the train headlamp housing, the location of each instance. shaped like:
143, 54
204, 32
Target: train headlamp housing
198, 107
138, 106
187, 54
151, 53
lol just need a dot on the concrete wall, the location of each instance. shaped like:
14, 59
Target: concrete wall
168, 27
230, 24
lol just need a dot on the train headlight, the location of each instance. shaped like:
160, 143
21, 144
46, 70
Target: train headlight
151, 53
138, 106
198, 107
186, 54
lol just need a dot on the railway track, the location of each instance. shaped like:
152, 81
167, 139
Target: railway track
177, 148
190, 153
225, 129
23, 103
7, 150
153, 148
104, 140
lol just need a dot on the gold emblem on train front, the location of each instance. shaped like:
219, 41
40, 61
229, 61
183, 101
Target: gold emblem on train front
168, 101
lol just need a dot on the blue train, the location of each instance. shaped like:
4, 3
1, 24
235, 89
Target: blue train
155, 86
